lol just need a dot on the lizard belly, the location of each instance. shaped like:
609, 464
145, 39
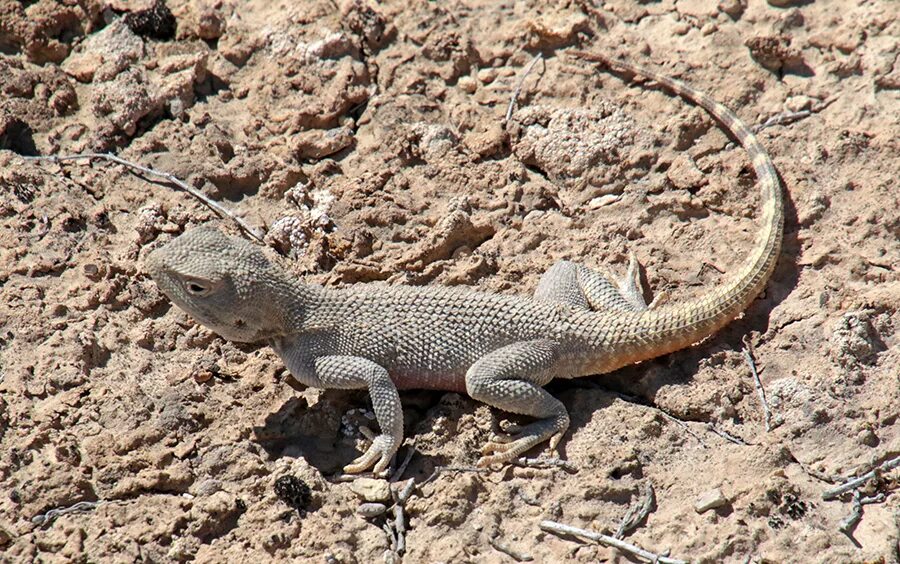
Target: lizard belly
411, 380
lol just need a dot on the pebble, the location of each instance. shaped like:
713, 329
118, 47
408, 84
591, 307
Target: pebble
371, 510
371, 489
486, 76
467, 84
713, 499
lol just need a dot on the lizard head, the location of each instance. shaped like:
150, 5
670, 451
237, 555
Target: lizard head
224, 282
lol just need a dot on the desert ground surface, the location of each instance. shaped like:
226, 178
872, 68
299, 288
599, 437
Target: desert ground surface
370, 142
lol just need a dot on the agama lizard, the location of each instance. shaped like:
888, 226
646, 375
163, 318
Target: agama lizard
500, 349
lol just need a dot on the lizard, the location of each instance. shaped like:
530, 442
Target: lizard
499, 349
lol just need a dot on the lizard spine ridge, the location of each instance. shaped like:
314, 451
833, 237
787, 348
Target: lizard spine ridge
670, 327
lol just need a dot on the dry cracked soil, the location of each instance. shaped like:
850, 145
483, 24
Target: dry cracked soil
370, 142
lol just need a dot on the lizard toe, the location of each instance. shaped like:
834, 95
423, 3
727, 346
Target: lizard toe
377, 456
492, 447
502, 451
499, 453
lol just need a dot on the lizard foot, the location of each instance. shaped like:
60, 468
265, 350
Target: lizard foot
630, 286
378, 455
508, 449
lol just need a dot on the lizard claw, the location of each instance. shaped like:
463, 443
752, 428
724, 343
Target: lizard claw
496, 452
377, 457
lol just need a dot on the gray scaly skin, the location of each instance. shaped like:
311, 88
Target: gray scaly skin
499, 349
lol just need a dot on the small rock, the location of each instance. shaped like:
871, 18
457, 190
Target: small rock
486, 76
371, 510
681, 28
371, 489
467, 84
605, 200
798, 103
774, 52
734, 8
868, 438
5, 537
712, 499
210, 24
91, 270
319, 143
684, 173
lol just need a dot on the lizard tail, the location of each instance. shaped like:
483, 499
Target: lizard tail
668, 328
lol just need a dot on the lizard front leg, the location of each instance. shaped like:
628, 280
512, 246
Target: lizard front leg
353, 372
511, 378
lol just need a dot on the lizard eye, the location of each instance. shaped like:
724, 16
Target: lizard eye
196, 287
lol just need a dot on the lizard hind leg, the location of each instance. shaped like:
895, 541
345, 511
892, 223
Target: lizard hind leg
630, 287
511, 379
581, 287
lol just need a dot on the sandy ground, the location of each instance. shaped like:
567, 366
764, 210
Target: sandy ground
370, 143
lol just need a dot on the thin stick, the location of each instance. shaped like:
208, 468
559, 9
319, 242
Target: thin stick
681, 423
786, 118
402, 468
518, 90
635, 400
546, 463
51, 515
512, 553
399, 523
438, 470
726, 435
848, 523
560, 529
748, 356
216, 207
885, 466
400, 528
637, 512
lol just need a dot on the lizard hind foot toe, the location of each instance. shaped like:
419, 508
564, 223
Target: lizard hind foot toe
500, 453
551, 429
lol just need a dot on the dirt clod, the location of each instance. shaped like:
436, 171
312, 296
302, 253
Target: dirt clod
293, 491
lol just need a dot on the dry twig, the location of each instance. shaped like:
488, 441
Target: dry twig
748, 356
396, 530
726, 435
885, 466
546, 463
786, 118
518, 90
215, 206
438, 470
848, 524
402, 468
637, 513
51, 515
560, 529
664, 413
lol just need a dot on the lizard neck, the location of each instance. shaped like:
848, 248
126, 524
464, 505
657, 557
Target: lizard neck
298, 304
